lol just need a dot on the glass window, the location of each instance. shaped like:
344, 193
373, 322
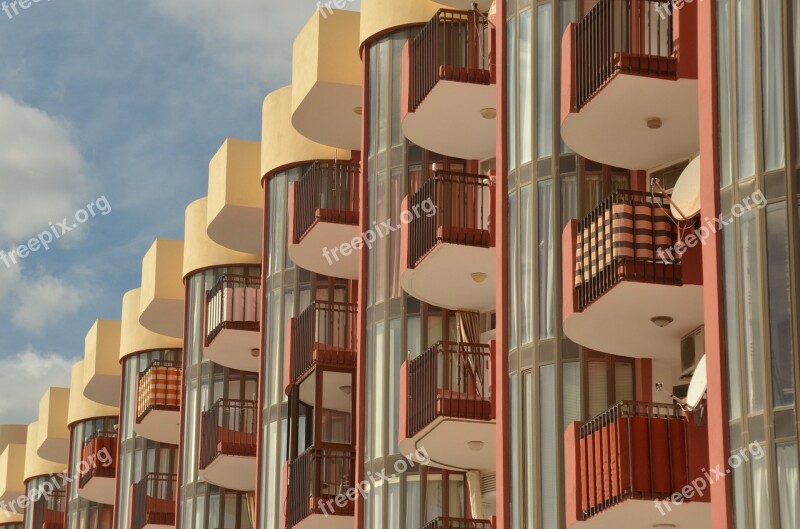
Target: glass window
796, 60
751, 311
724, 65
529, 426
780, 305
571, 373
548, 448
525, 88
526, 264
761, 507
569, 199
731, 325
512, 94
745, 90
788, 486
512, 270
739, 504
514, 459
567, 13
772, 85
544, 80
597, 382
547, 287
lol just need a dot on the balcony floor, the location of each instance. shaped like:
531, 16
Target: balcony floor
162, 426
619, 321
232, 348
231, 472
158, 526
636, 514
99, 490
445, 440
320, 521
308, 253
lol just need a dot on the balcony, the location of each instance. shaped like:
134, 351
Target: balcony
98, 468
228, 444
447, 405
317, 479
233, 322
631, 455
153, 502
447, 249
324, 336
457, 523
158, 402
323, 219
449, 93
53, 510
627, 290
637, 55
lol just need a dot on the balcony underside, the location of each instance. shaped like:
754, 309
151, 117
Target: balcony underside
445, 439
326, 115
56, 450
611, 127
99, 490
158, 526
231, 472
309, 253
11, 496
160, 425
238, 228
332, 397
444, 277
449, 120
483, 5
320, 521
233, 348
634, 514
619, 321
103, 389
164, 316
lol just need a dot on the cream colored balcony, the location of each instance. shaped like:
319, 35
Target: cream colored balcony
447, 405
98, 468
158, 402
228, 434
627, 289
52, 441
161, 302
233, 322
629, 83
447, 249
12, 469
102, 372
323, 219
154, 502
621, 465
449, 95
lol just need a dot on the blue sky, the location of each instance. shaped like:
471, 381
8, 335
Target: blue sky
123, 99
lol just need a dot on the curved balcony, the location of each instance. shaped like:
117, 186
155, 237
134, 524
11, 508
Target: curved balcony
49, 511
98, 468
449, 92
323, 219
154, 501
317, 486
158, 402
628, 288
632, 455
228, 444
447, 249
233, 322
447, 405
640, 56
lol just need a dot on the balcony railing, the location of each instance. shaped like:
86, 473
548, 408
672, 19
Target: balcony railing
634, 450
453, 46
457, 523
154, 501
55, 506
233, 303
327, 192
463, 214
324, 333
319, 474
629, 236
99, 457
159, 388
633, 36
228, 428
450, 379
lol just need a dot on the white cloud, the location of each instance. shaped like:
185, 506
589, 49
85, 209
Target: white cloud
42, 172
45, 300
25, 377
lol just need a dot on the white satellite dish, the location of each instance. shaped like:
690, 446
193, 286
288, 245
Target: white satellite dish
685, 202
698, 385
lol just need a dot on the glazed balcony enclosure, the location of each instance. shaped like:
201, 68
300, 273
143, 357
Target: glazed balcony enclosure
153, 502
158, 402
622, 461
323, 219
449, 97
447, 249
628, 288
228, 444
233, 322
629, 83
98, 468
447, 405
48, 511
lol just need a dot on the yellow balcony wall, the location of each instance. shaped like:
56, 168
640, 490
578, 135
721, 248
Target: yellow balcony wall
162, 297
52, 439
102, 371
82, 408
35, 465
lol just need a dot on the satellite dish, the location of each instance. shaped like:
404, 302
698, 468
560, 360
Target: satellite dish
685, 202
697, 387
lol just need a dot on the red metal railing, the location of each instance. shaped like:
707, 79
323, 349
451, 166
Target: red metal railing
457, 523
450, 379
233, 303
55, 506
324, 333
327, 192
453, 46
319, 474
450, 207
99, 457
153, 500
633, 450
228, 428
159, 388
633, 36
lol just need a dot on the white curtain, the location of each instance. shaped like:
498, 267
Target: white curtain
788, 486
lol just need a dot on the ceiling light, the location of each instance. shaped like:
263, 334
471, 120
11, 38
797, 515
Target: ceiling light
654, 123
478, 277
254, 352
661, 321
475, 446
358, 111
347, 390
489, 113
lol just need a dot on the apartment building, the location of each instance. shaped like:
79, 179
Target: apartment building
522, 264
